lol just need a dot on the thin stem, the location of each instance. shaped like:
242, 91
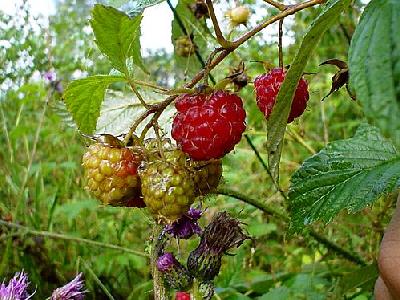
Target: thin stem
289, 11
98, 281
160, 292
282, 216
298, 138
220, 37
277, 5
50, 93
52, 235
150, 85
136, 124
280, 43
136, 92
265, 166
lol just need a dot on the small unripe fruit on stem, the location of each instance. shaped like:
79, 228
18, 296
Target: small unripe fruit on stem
184, 46
239, 15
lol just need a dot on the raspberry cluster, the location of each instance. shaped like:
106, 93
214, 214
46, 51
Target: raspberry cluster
161, 177
167, 179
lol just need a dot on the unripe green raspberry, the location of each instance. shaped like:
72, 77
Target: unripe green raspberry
111, 173
167, 188
206, 175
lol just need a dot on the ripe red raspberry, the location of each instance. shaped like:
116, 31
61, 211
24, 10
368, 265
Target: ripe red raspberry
267, 87
111, 174
182, 296
208, 126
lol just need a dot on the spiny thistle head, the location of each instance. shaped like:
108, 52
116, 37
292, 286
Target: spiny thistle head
186, 226
16, 288
222, 234
74, 290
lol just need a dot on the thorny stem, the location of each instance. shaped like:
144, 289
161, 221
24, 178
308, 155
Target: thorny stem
276, 4
289, 11
160, 292
160, 107
195, 290
282, 216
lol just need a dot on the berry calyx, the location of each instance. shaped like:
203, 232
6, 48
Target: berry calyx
267, 87
208, 126
111, 174
239, 15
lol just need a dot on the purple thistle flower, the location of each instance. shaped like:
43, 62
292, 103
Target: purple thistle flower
71, 291
174, 273
49, 76
186, 226
16, 288
166, 262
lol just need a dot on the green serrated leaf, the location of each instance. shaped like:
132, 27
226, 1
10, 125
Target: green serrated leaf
374, 65
278, 119
349, 174
84, 97
117, 36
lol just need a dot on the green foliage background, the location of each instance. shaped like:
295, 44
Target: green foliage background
41, 178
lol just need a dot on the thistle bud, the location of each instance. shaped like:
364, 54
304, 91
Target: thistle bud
186, 226
71, 291
222, 234
175, 275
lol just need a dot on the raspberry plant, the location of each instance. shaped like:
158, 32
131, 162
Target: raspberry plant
175, 171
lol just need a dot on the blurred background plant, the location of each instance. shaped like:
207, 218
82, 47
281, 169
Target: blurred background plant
59, 229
